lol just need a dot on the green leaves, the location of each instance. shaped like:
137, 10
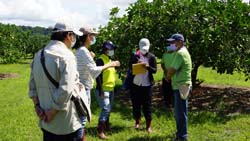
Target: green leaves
216, 32
15, 43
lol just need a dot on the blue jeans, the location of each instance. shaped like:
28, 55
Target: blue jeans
84, 119
181, 115
105, 103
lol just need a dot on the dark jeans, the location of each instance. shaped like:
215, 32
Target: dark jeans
47, 136
167, 93
181, 115
141, 97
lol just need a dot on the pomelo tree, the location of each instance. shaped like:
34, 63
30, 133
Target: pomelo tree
216, 31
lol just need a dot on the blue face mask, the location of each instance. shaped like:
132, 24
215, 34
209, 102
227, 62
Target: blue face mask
172, 47
93, 40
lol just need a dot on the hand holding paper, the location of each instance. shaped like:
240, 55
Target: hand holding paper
139, 68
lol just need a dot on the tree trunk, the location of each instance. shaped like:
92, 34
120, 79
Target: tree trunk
195, 82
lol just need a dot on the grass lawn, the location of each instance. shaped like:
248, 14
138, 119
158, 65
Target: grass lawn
18, 121
211, 77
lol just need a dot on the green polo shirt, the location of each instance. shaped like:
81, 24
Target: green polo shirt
108, 75
167, 59
183, 64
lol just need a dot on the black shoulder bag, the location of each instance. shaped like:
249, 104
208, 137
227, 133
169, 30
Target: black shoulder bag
79, 104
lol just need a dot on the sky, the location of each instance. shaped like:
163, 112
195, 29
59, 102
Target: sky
46, 13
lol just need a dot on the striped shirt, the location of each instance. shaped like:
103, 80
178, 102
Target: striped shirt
86, 67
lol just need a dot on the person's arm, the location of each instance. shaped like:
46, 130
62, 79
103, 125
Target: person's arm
176, 65
32, 86
170, 73
33, 95
152, 66
131, 61
99, 80
111, 64
165, 71
96, 70
163, 66
84, 59
67, 83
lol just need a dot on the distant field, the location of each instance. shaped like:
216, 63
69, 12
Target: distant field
18, 121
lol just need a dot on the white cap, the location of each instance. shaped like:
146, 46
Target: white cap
144, 44
64, 27
88, 30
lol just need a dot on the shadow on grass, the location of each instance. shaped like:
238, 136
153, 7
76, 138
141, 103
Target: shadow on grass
152, 138
206, 104
203, 117
92, 131
121, 105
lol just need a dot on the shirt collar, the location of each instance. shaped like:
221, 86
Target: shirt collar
105, 57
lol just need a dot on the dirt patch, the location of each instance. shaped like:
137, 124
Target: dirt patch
8, 75
222, 99
225, 100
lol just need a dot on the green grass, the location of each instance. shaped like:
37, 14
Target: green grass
18, 121
212, 77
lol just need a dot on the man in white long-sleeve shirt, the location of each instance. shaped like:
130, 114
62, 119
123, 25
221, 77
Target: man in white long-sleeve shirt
57, 113
86, 65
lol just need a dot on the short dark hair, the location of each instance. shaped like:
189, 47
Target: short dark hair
59, 36
80, 40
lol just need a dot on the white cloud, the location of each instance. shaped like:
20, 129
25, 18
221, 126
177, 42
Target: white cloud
47, 12
28, 11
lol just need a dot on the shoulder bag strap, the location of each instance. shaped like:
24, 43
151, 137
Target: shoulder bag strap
53, 81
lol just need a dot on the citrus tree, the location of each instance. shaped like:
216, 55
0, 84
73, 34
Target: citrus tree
15, 43
216, 32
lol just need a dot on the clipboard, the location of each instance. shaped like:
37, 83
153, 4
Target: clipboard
138, 68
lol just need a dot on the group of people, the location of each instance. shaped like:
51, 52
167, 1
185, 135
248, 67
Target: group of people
75, 75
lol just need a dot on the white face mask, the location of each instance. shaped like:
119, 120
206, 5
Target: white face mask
73, 42
143, 51
93, 40
173, 47
111, 53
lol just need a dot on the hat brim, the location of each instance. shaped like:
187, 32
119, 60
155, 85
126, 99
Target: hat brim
170, 39
113, 48
94, 33
77, 32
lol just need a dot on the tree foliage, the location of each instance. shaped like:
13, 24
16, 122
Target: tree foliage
216, 32
16, 43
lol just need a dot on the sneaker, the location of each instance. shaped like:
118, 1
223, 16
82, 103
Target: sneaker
137, 126
149, 130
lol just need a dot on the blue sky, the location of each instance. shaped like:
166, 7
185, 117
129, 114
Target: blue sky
46, 12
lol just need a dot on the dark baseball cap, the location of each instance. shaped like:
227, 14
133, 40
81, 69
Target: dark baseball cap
176, 36
109, 45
